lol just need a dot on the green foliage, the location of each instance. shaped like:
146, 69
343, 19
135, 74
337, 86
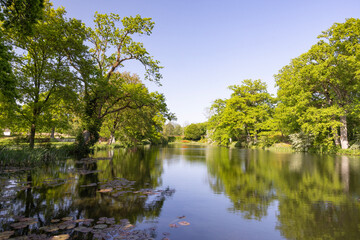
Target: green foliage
42, 82
195, 131
107, 36
17, 16
172, 129
168, 129
281, 147
236, 145
354, 152
301, 142
7, 83
137, 114
243, 116
269, 138
319, 91
61, 83
107, 93
21, 15
178, 130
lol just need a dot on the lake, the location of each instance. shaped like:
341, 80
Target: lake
184, 192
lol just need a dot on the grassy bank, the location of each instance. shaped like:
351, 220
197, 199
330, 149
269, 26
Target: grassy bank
277, 147
24, 156
44, 153
183, 141
18, 154
106, 146
280, 147
352, 152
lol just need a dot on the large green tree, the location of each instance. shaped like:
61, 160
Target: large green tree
139, 115
18, 16
195, 131
245, 113
172, 129
319, 91
41, 68
111, 46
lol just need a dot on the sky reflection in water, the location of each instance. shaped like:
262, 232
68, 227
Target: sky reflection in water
222, 193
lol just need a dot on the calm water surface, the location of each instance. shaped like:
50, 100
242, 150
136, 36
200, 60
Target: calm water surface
185, 192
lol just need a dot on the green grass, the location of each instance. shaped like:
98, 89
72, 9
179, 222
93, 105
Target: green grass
353, 152
188, 142
16, 156
280, 147
105, 146
6, 140
38, 138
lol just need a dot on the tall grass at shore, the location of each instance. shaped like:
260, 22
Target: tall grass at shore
26, 157
105, 146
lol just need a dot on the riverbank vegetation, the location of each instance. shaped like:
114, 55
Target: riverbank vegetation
64, 83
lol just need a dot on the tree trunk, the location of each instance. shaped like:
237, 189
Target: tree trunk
255, 138
52, 135
86, 136
248, 138
113, 129
32, 135
343, 133
112, 138
336, 137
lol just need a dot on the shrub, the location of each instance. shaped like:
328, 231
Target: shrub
195, 131
301, 142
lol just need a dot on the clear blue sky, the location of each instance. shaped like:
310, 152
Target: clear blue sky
207, 45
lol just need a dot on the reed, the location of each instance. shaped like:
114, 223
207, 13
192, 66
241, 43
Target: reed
11, 156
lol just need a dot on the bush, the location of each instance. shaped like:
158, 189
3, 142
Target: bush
195, 131
171, 139
237, 144
301, 142
355, 146
269, 138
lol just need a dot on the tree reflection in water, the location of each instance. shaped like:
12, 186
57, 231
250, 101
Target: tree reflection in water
71, 189
317, 196
314, 196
